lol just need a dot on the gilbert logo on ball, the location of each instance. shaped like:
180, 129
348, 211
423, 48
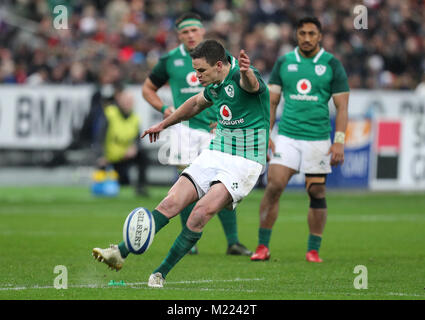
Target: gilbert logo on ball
304, 86
192, 79
139, 230
225, 112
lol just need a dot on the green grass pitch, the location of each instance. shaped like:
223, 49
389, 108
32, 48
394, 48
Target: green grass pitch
42, 227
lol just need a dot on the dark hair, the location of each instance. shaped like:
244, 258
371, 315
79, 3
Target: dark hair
211, 50
187, 15
312, 20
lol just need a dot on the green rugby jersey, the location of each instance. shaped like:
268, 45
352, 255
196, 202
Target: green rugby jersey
176, 68
243, 117
307, 85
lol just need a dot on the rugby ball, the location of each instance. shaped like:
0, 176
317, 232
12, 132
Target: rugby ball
139, 230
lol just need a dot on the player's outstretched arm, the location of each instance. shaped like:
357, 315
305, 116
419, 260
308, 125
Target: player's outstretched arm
249, 81
187, 110
341, 120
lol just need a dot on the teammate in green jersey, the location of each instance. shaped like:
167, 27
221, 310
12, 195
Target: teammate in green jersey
224, 174
308, 77
189, 138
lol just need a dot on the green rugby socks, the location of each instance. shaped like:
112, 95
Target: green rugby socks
123, 249
264, 236
160, 220
228, 221
314, 242
184, 242
227, 218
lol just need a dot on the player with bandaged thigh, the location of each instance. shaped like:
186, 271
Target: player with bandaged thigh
309, 77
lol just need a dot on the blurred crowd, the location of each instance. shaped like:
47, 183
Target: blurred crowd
121, 40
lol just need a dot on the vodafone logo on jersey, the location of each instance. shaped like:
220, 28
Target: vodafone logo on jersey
304, 86
192, 79
225, 113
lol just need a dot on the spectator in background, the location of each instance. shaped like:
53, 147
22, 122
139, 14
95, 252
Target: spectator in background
40, 76
118, 142
420, 89
138, 32
7, 67
103, 95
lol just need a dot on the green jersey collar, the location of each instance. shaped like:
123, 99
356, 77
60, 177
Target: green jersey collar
183, 50
315, 58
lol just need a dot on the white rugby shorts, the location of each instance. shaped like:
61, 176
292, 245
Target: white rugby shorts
304, 156
239, 175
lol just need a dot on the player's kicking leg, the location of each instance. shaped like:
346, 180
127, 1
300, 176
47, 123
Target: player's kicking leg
185, 213
180, 195
214, 200
111, 256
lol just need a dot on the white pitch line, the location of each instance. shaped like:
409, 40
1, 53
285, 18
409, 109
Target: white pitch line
404, 294
135, 284
97, 286
208, 281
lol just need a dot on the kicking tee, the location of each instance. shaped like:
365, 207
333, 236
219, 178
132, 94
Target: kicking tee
308, 84
243, 117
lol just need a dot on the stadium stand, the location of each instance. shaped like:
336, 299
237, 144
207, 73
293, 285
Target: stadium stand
135, 33
121, 40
